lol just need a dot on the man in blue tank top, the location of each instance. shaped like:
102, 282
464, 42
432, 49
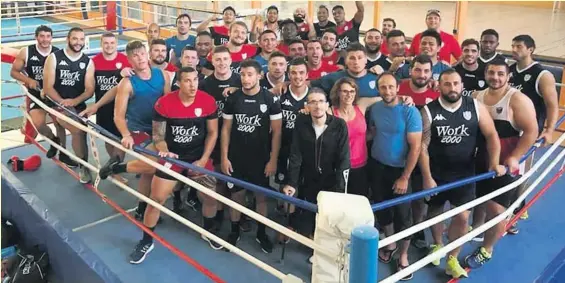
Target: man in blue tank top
133, 112
176, 43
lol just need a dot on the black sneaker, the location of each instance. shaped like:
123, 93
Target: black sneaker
233, 238
214, 245
513, 230
177, 206
140, 252
265, 242
193, 204
67, 160
53, 150
106, 170
244, 223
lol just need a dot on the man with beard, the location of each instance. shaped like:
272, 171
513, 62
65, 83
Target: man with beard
355, 60
135, 98
158, 54
389, 24
329, 43
220, 33
323, 23
203, 47
512, 112
348, 31
252, 127
317, 68
268, 44
396, 42
68, 79
28, 69
276, 74
375, 60
533, 80
450, 45
296, 48
217, 85
417, 86
238, 49
430, 44
452, 124
397, 138
177, 42
305, 24
469, 68
289, 32
489, 44
272, 23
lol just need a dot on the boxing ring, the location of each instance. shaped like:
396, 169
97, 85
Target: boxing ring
89, 232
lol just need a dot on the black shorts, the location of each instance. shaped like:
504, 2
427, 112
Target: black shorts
358, 182
250, 171
282, 170
383, 178
105, 119
456, 196
488, 186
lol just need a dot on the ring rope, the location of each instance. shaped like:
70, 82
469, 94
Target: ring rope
32, 27
273, 225
448, 214
476, 231
29, 15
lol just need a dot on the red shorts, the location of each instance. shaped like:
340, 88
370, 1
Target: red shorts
142, 139
181, 170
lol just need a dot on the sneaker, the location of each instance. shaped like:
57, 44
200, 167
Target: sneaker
454, 269
106, 170
433, 249
265, 242
140, 252
244, 224
67, 160
214, 245
399, 268
419, 240
84, 175
478, 238
193, 204
524, 215
477, 258
53, 150
513, 230
233, 238
177, 206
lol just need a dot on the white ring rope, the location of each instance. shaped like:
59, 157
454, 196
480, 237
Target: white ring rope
149, 12
260, 218
448, 214
164, 209
33, 14
476, 231
33, 27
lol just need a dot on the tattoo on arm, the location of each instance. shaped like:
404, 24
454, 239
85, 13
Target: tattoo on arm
159, 129
426, 131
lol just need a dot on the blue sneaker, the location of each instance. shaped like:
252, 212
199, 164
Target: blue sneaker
478, 258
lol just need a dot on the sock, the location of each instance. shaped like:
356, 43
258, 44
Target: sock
192, 193
141, 206
176, 195
219, 216
146, 237
208, 223
235, 227
260, 229
119, 168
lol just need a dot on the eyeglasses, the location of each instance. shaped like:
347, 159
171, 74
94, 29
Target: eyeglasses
316, 102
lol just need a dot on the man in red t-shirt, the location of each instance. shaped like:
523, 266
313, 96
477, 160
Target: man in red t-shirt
220, 33
417, 86
158, 55
450, 46
316, 66
329, 43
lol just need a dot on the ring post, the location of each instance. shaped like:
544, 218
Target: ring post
111, 15
119, 16
363, 262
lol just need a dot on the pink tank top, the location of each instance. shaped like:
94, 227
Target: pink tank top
357, 129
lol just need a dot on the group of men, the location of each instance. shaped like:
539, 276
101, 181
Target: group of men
254, 104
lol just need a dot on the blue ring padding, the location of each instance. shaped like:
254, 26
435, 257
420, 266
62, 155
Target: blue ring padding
554, 272
295, 201
453, 185
70, 259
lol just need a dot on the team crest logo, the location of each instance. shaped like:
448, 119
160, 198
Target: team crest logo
511, 75
244, 56
428, 100
498, 110
346, 28
527, 77
323, 74
467, 115
276, 98
82, 65
118, 65
263, 108
198, 112
436, 77
330, 62
281, 176
372, 84
168, 165
230, 185
481, 83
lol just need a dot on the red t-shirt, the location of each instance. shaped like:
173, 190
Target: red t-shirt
107, 72
324, 69
384, 48
420, 99
247, 51
171, 68
332, 59
449, 47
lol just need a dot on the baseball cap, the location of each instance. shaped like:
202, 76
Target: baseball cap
433, 11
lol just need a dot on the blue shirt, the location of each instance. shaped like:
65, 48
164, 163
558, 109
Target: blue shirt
367, 84
177, 45
390, 143
263, 62
404, 71
139, 114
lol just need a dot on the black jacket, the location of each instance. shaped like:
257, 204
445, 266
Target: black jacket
322, 164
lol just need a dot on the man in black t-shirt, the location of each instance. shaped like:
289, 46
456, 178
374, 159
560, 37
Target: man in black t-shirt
69, 80
186, 128
471, 72
348, 31
251, 127
323, 21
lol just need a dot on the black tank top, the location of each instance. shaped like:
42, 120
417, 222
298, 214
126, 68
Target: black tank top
527, 82
453, 139
69, 74
34, 63
472, 80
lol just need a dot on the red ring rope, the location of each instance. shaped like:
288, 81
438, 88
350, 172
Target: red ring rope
159, 239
